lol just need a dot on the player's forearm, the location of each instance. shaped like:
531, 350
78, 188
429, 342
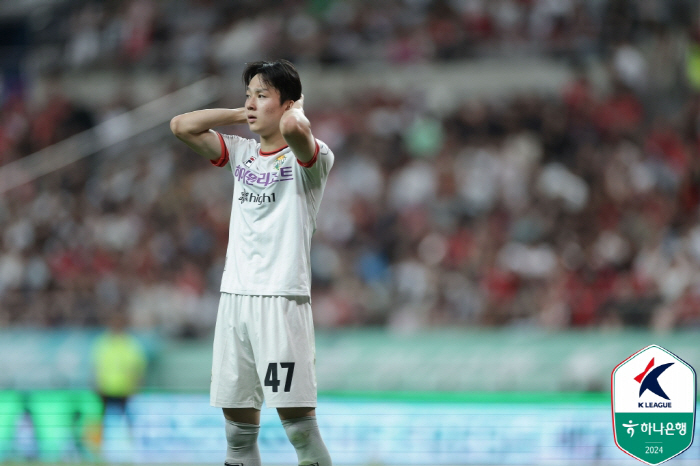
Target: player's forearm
296, 130
200, 121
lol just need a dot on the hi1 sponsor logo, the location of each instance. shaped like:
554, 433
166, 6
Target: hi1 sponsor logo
653, 404
258, 199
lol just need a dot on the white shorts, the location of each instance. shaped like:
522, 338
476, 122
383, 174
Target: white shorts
264, 348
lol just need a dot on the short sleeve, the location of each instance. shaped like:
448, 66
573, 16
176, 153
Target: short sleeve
321, 163
232, 149
224, 157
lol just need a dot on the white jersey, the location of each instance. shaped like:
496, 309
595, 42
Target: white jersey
273, 216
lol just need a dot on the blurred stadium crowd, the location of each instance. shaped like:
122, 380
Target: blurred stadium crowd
576, 209
196, 36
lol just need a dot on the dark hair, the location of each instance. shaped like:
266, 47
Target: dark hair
279, 74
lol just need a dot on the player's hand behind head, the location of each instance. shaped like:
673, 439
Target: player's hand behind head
299, 103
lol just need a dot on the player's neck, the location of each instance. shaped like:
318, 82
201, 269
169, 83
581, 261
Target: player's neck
272, 143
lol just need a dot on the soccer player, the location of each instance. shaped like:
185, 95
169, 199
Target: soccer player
264, 339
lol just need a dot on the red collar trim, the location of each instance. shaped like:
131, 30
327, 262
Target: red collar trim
267, 154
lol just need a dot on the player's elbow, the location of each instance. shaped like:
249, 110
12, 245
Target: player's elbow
292, 124
176, 126
182, 127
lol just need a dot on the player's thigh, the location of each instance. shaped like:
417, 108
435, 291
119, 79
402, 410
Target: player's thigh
293, 413
244, 415
235, 382
285, 351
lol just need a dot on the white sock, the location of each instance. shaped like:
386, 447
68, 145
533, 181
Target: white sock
242, 444
306, 439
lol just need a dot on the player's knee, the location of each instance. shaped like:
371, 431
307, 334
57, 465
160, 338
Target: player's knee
240, 436
298, 436
304, 436
300, 430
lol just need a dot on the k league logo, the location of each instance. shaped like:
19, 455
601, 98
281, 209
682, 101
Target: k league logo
651, 382
653, 404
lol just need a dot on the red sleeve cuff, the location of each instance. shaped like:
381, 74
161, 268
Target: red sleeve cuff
311, 162
223, 160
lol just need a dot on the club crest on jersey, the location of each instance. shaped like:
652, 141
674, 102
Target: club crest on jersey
279, 161
250, 161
